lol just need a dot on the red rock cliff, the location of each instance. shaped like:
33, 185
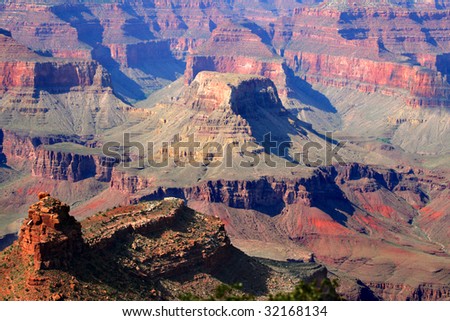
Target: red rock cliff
59, 165
423, 87
50, 235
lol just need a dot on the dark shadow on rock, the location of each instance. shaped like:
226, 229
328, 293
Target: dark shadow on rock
136, 27
212, 25
104, 268
304, 92
443, 65
90, 31
80, 17
349, 17
125, 87
168, 68
337, 207
331, 199
228, 265
137, 31
354, 33
366, 294
416, 18
269, 202
428, 37
3, 159
7, 240
260, 32
271, 124
240, 268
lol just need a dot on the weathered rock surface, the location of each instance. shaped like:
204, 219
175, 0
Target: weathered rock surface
51, 95
408, 43
154, 250
71, 166
54, 157
151, 230
62, 64
50, 235
338, 213
2, 155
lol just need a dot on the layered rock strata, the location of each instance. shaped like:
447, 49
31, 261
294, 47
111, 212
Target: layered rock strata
50, 236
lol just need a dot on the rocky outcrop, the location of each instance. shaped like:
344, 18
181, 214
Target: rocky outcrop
50, 235
140, 54
236, 49
273, 70
121, 181
23, 70
103, 233
202, 244
423, 292
18, 148
270, 192
425, 87
70, 161
211, 91
54, 157
70, 166
388, 178
54, 238
54, 77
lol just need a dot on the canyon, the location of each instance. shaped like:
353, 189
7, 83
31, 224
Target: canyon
76, 76
175, 249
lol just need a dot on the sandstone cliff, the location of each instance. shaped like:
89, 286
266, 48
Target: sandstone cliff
54, 157
50, 235
50, 95
66, 165
338, 213
407, 42
22, 69
156, 250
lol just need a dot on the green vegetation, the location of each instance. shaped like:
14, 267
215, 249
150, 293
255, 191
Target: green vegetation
223, 292
310, 292
302, 292
385, 140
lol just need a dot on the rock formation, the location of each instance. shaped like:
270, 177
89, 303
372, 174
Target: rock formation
50, 236
315, 41
60, 165
377, 74
40, 90
158, 250
55, 157
345, 205
140, 250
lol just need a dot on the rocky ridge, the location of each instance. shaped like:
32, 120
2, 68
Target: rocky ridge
112, 253
333, 213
